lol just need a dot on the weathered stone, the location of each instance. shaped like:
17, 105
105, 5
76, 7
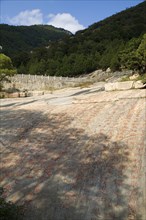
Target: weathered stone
87, 155
135, 76
13, 95
139, 85
124, 85
119, 86
22, 94
35, 93
108, 70
95, 73
110, 86
3, 95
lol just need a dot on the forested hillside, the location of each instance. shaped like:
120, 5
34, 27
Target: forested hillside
16, 39
118, 42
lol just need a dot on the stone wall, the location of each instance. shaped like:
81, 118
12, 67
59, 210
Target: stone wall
35, 82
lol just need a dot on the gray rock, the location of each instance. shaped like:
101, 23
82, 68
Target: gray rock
110, 86
13, 95
22, 94
135, 76
35, 93
139, 85
119, 86
108, 70
124, 85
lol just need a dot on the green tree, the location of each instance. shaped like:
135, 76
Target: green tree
141, 55
134, 55
115, 64
6, 69
127, 57
22, 69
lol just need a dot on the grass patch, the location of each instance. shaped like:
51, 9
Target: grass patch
141, 77
84, 84
2, 95
125, 78
50, 89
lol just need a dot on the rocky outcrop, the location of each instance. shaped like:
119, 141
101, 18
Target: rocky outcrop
124, 85
35, 93
139, 85
119, 86
12, 95
133, 77
110, 86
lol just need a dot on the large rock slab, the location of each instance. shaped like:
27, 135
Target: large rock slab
124, 85
119, 86
110, 86
22, 94
135, 76
139, 85
35, 93
13, 95
79, 161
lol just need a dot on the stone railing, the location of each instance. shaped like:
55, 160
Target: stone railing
35, 82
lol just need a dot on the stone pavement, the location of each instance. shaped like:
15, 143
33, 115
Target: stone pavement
75, 154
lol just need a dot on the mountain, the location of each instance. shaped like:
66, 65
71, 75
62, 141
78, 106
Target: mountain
126, 24
117, 42
24, 38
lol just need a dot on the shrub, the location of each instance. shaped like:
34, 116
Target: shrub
6, 69
9, 210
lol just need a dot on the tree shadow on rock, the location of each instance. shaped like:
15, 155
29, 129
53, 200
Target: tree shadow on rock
60, 172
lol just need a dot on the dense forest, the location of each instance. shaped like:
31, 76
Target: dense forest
15, 39
118, 42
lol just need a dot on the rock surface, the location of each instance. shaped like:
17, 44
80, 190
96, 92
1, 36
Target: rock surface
34, 93
76, 154
135, 76
13, 95
124, 85
139, 85
110, 86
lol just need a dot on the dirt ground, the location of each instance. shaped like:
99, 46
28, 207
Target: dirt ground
76, 154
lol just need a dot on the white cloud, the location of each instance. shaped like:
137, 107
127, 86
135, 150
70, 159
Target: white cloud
35, 16
27, 18
66, 21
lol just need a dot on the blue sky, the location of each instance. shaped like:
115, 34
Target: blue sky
71, 15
